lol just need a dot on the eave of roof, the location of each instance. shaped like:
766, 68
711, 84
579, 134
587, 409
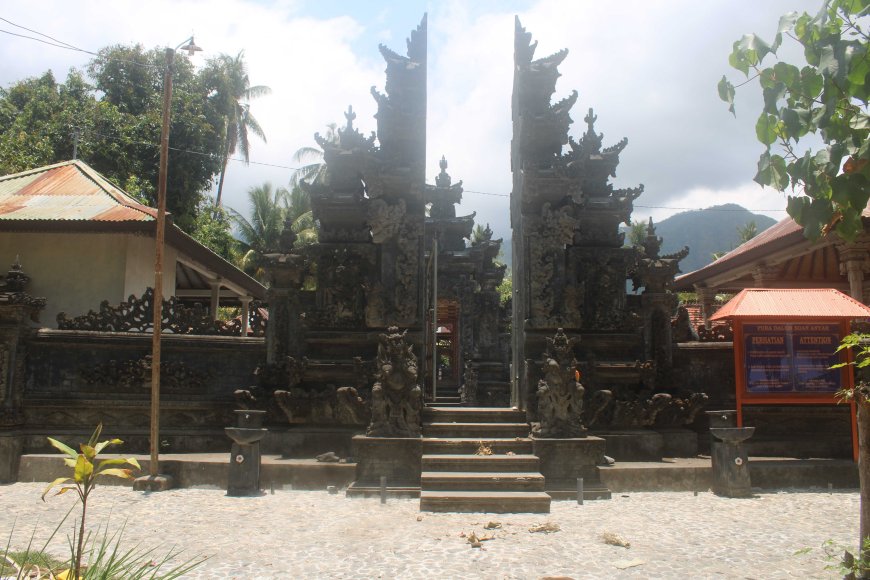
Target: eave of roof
779, 237
804, 303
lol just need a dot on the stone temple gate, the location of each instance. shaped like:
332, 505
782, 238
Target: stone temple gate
387, 341
404, 305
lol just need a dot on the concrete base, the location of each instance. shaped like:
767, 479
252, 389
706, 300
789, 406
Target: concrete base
158, 482
396, 458
563, 461
309, 442
679, 442
11, 446
633, 445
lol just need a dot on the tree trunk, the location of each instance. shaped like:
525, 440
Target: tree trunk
864, 472
217, 202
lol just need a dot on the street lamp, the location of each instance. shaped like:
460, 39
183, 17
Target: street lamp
154, 481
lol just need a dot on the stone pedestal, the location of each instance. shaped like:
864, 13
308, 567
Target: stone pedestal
730, 462
563, 461
396, 458
678, 442
11, 446
633, 444
243, 478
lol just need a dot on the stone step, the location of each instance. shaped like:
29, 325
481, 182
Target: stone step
481, 481
502, 502
473, 415
447, 399
481, 463
470, 445
476, 430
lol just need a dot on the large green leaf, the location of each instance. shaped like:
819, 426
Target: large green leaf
772, 171
765, 128
53, 484
787, 74
63, 447
113, 471
726, 93
84, 469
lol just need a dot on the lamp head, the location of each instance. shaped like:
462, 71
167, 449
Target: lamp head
190, 47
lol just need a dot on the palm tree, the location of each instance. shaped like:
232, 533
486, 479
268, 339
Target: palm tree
270, 209
314, 170
297, 207
260, 235
233, 90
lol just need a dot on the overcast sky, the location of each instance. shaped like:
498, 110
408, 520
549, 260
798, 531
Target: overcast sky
649, 69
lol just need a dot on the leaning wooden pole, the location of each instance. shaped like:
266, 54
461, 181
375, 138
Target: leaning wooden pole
158, 266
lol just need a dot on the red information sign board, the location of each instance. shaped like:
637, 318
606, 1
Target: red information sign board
791, 358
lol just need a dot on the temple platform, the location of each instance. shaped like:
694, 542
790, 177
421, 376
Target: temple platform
209, 470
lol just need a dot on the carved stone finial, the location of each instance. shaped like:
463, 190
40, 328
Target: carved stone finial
287, 238
350, 116
443, 179
652, 243
591, 140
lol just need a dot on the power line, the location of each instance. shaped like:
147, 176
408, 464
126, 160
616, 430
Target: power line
67, 46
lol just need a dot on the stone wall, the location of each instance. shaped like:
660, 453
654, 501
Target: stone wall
76, 379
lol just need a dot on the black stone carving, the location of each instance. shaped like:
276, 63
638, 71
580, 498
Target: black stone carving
397, 400
136, 374
560, 394
137, 315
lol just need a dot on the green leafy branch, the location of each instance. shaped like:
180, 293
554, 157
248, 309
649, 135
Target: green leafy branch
825, 97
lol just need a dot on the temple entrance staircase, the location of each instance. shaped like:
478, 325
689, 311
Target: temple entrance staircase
479, 459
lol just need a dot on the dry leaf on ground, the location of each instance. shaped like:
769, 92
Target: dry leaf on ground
546, 528
492, 526
615, 540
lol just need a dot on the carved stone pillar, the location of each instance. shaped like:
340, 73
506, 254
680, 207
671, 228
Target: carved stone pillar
854, 263
17, 309
706, 297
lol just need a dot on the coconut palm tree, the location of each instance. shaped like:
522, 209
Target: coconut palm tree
233, 91
270, 208
314, 170
260, 234
297, 206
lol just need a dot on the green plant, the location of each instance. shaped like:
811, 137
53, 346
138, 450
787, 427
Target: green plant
84, 479
827, 96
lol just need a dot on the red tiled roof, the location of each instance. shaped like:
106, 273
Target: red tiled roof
819, 303
68, 191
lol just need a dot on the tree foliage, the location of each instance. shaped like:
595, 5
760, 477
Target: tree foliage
825, 96
232, 92
270, 208
116, 109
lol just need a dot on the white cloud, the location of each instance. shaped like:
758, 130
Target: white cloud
648, 69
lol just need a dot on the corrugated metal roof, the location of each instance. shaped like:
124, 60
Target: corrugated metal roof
819, 303
67, 191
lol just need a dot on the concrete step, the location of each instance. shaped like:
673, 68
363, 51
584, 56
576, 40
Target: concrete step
435, 414
481, 463
502, 502
470, 445
481, 481
476, 430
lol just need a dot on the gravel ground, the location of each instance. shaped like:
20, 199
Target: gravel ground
312, 535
